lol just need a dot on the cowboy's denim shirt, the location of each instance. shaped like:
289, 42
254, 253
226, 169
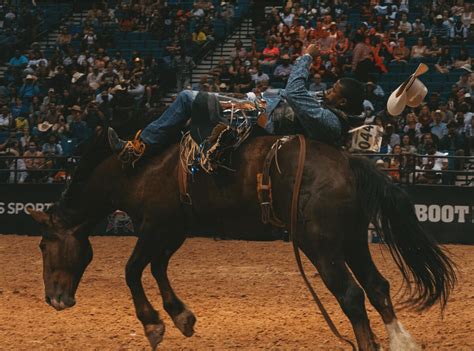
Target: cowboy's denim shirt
318, 122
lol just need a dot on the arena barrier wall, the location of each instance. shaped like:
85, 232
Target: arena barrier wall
446, 212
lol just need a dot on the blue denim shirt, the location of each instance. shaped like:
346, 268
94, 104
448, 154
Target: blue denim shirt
318, 122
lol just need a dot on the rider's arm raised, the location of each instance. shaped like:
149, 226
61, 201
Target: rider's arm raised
318, 122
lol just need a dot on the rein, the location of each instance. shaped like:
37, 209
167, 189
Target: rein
293, 230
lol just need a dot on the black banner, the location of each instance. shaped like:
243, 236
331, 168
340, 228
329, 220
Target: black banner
446, 212
17, 199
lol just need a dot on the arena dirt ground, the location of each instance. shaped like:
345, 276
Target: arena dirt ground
246, 296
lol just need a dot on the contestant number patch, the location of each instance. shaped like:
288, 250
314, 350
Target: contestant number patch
367, 139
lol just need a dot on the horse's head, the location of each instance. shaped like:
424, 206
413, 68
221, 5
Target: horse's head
66, 254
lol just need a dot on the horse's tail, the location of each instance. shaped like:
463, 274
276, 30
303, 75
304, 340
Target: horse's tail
415, 252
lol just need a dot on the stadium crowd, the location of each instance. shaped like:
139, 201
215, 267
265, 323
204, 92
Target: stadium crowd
52, 102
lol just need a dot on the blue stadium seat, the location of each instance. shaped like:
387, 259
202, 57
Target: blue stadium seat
396, 67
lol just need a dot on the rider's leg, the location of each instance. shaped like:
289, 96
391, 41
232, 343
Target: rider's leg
158, 133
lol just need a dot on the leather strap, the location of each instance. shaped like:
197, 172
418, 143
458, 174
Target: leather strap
184, 196
264, 186
293, 231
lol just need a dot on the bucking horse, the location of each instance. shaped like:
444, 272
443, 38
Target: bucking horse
338, 196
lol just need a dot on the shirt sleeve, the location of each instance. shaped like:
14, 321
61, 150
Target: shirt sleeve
318, 122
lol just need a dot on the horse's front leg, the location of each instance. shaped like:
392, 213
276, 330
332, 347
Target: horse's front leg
166, 246
140, 258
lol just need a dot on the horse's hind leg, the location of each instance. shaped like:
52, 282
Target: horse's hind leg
165, 247
322, 245
148, 316
377, 289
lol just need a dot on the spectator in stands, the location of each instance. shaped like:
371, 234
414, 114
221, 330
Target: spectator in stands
418, 51
453, 143
64, 38
433, 164
412, 128
238, 51
434, 100
463, 60
28, 90
438, 127
418, 27
242, 82
25, 139
362, 58
404, 26
254, 53
464, 83
18, 61
260, 76
89, 39
204, 80
466, 113
184, 66
33, 161
270, 54
18, 172
296, 49
393, 138
283, 70
401, 53
439, 29
317, 84
234, 67
136, 89
445, 61
407, 146
425, 118
21, 123
5, 119
341, 45
199, 36
395, 163
222, 66
60, 127
253, 67
77, 127
469, 134
459, 32
434, 50
467, 17
52, 147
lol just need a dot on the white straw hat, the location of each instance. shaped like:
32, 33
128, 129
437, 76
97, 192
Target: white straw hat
411, 93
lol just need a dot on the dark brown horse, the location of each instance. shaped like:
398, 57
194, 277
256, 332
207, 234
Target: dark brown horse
339, 196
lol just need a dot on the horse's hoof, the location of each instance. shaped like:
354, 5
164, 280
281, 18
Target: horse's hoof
185, 322
154, 333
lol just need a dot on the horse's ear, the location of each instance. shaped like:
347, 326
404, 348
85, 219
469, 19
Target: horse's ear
40, 217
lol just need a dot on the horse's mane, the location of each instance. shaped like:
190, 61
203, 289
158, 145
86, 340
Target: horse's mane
126, 121
95, 151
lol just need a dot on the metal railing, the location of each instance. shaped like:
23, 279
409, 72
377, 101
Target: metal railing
413, 169
13, 169
416, 169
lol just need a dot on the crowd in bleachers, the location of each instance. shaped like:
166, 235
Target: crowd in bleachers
53, 99
23, 22
380, 43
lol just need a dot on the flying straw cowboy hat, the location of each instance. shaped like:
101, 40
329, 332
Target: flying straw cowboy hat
410, 93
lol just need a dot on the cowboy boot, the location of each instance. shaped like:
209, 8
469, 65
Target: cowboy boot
128, 152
